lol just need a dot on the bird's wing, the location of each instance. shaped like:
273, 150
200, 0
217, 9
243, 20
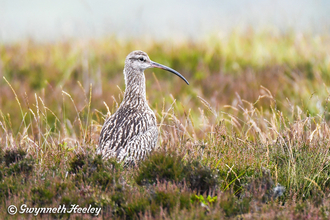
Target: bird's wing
139, 146
119, 129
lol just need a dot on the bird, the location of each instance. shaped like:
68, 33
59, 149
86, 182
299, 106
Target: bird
131, 133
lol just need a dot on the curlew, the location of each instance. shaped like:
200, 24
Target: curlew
131, 133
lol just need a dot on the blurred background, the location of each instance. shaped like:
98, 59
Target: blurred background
229, 51
53, 20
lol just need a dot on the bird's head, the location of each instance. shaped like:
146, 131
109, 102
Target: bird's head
139, 61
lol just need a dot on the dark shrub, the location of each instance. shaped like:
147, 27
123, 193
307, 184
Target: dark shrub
23, 166
162, 166
200, 177
8, 187
16, 161
168, 166
14, 155
96, 171
77, 162
43, 194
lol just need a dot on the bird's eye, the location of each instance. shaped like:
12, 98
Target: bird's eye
142, 59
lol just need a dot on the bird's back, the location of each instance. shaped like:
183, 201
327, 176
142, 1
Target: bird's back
120, 134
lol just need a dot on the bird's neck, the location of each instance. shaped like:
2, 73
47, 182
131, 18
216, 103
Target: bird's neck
135, 92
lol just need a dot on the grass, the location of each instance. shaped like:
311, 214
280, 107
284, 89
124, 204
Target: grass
249, 138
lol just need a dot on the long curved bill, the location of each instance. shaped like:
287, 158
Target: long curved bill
160, 66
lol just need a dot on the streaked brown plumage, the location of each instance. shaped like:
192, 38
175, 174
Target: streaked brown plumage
131, 133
